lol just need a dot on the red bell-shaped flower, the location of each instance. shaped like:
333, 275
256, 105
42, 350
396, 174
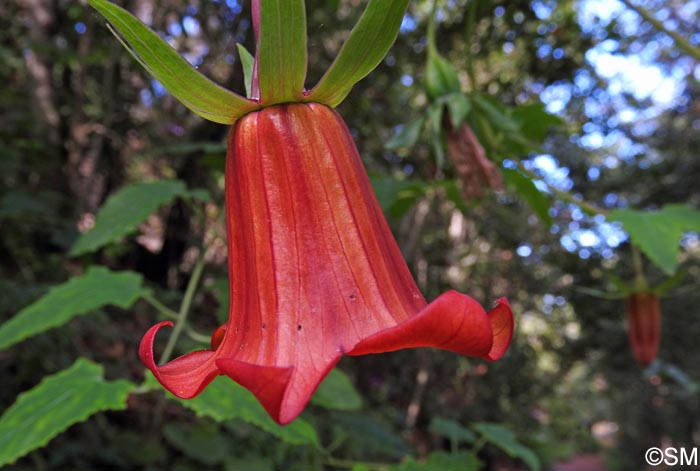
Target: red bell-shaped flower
314, 270
644, 325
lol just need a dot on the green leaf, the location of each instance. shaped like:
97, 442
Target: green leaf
408, 135
201, 441
96, 288
452, 430
194, 90
369, 42
459, 107
526, 188
441, 461
453, 192
125, 210
441, 77
493, 112
59, 401
281, 50
224, 400
370, 434
396, 197
247, 62
658, 233
337, 392
435, 113
505, 439
535, 121
251, 463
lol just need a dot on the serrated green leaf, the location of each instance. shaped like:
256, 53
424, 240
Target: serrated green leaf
441, 77
125, 210
337, 392
658, 233
281, 50
224, 399
192, 89
369, 42
505, 439
370, 434
247, 62
441, 461
59, 401
452, 430
526, 188
96, 288
200, 441
408, 135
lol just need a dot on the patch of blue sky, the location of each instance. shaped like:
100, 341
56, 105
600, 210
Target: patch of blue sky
543, 9
234, 5
175, 28
524, 250
158, 88
146, 97
408, 24
553, 174
191, 25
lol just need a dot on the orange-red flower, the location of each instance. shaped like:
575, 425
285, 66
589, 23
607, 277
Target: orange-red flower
314, 270
644, 325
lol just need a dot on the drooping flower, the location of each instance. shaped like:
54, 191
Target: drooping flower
644, 325
314, 270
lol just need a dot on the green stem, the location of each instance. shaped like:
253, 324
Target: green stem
184, 308
468, 41
432, 49
167, 312
588, 208
160, 307
681, 41
479, 445
640, 281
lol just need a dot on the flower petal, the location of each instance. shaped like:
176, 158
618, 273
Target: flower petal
501, 318
452, 322
185, 376
267, 383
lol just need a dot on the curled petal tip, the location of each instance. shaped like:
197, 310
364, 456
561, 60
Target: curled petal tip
502, 325
146, 346
184, 376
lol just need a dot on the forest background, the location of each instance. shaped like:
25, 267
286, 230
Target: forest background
591, 111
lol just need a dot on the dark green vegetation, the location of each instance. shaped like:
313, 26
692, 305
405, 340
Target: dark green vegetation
81, 122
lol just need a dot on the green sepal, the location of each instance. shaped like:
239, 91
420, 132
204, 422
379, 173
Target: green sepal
281, 51
247, 62
191, 88
369, 42
440, 77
